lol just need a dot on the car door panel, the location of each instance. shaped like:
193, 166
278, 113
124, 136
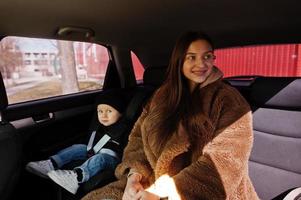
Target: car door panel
45, 127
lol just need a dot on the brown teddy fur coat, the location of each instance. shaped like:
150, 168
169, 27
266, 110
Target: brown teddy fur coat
219, 170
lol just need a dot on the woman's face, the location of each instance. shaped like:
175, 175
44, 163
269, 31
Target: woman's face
198, 62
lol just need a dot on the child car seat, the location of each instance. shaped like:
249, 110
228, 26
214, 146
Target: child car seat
132, 112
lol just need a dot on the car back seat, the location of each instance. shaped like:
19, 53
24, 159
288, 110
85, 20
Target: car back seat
133, 110
154, 76
275, 162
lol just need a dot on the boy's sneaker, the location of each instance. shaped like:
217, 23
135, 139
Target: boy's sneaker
40, 168
65, 178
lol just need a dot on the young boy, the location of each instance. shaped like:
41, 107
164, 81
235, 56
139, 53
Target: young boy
103, 150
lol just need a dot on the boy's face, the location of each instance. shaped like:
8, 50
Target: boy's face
107, 115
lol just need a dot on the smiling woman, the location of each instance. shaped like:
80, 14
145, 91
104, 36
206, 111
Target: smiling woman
198, 62
201, 136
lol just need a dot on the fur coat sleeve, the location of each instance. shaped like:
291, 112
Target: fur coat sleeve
134, 155
221, 172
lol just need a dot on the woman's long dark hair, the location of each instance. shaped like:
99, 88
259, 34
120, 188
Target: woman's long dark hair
173, 102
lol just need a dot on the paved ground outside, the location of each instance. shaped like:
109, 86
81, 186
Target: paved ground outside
30, 89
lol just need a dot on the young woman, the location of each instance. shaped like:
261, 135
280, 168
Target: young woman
199, 139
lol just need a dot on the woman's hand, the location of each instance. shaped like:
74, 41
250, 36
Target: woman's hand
144, 195
133, 187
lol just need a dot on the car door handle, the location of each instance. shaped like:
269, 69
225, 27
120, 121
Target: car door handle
43, 118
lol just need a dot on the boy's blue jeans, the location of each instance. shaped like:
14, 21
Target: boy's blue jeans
91, 166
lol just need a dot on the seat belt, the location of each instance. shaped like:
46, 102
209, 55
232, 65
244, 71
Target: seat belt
99, 144
91, 140
294, 194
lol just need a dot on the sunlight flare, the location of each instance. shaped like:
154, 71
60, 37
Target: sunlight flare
165, 186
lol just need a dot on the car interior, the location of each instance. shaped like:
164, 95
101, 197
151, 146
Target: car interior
33, 130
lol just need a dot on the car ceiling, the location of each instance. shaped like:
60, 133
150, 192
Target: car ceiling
151, 27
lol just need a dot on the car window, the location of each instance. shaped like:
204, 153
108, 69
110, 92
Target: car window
39, 68
138, 67
264, 60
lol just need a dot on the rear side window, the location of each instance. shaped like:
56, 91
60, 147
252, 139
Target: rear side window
265, 60
39, 68
138, 67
